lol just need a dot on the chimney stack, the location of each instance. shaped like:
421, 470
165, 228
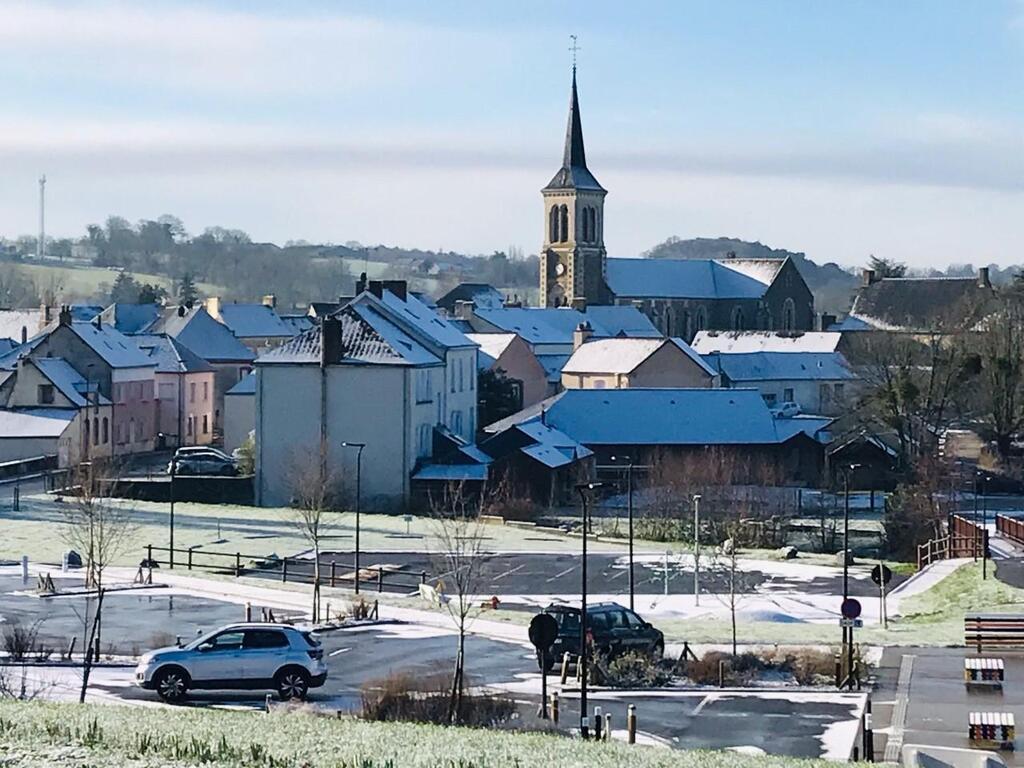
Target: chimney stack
45, 315
983, 279
212, 305
361, 283
376, 287
64, 318
398, 287
330, 341
581, 335
869, 277
270, 300
464, 309
24, 334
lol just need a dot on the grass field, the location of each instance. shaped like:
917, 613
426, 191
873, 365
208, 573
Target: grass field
35, 733
84, 282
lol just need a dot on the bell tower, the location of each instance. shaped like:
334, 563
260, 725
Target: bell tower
572, 260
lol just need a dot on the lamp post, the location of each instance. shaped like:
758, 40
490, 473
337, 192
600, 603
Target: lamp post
174, 469
582, 489
359, 471
696, 548
984, 478
847, 632
629, 512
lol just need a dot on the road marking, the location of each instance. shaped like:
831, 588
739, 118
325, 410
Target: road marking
340, 650
899, 713
699, 708
563, 573
508, 572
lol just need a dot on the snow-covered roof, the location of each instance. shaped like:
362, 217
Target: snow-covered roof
116, 349
251, 321
481, 294
691, 278
657, 417
209, 339
551, 325
35, 422
492, 346
69, 382
624, 355
782, 366
419, 317
170, 354
706, 342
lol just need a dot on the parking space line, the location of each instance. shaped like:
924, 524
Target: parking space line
508, 572
563, 573
700, 707
340, 650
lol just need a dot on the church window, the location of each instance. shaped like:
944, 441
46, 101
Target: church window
563, 215
702, 318
553, 224
789, 316
737, 319
585, 222
593, 225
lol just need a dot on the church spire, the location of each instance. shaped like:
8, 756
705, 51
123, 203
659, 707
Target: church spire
574, 154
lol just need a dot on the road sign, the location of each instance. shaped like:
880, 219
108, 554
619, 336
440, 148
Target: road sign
543, 631
850, 608
856, 623
881, 574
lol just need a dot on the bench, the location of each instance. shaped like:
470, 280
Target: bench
994, 630
993, 729
982, 671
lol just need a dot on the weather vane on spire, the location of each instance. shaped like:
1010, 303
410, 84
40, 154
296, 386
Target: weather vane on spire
573, 48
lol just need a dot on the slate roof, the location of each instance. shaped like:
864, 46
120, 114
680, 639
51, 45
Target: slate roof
6, 345
451, 472
209, 339
170, 355
421, 318
492, 346
10, 359
551, 447
574, 173
245, 386
85, 312
250, 321
116, 349
706, 342
782, 366
552, 365
919, 303
691, 278
298, 323
69, 382
367, 338
624, 355
481, 294
657, 417
131, 318
35, 422
555, 325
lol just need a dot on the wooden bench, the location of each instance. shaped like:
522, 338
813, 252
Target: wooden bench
992, 729
982, 671
994, 630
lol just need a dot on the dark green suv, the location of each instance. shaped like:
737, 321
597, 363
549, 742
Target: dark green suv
613, 630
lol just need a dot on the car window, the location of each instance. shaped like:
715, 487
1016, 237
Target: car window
265, 638
226, 641
617, 619
634, 620
598, 620
567, 622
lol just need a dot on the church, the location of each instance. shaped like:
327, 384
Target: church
680, 296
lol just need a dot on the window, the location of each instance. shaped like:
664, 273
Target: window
824, 393
702, 318
617, 620
457, 422
634, 621
206, 423
265, 638
837, 391
192, 392
106, 432
188, 428
598, 621
206, 391
789, 315
461, 380
423, 434
46, 394
95, 431
770, 399
787, 395
563, 219
553, 224
166, 392
737, 319
226, 641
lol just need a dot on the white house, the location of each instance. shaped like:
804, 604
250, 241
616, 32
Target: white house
239, 412
383, 371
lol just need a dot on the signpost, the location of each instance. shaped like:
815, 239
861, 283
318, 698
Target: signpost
543, 631
881, 574
850, 610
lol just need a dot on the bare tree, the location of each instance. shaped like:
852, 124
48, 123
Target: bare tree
1001, 349
315, 490
459, 559
919, 510
738, 582
100, 531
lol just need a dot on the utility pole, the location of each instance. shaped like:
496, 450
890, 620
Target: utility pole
582, 489
41, 244
696, 549
359, 478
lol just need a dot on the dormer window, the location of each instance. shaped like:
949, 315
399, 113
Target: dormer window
46, 394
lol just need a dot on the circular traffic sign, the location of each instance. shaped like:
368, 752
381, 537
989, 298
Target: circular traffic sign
543, 631
881, 574
850, 608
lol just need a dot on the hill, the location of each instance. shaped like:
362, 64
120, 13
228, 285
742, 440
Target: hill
832, 285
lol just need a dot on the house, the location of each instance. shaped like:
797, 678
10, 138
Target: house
618, 363
508, 354
20, 325
53, 410
478, 295
239, 412
738, 342
917, 305
230, 359
647, 423
819, 382
185, 389
680, 297
385, 371
258, 326
108, 358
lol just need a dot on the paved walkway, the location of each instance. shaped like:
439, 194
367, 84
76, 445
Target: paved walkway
922, 581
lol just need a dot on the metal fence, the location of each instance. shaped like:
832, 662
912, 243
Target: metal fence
1011, 528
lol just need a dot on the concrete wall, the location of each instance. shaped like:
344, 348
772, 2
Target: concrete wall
226, 375
239, 419
14, 448
806, 394
518, 362
667, 367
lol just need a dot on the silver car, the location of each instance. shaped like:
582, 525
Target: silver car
251, 656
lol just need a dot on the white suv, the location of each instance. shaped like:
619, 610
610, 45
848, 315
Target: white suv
240, 656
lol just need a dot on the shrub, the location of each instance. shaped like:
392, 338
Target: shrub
633, 670
427, 699
806, 666
22, 642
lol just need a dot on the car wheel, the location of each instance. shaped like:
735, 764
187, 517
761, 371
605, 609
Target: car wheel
292, 683
171, 684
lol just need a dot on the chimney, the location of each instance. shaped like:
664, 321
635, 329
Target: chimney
24, 334
823, 321
580, 304
581, 335
212, 305
869, 276
181, 310
270, 300
464, 309
330, 341
397, 287
983, 280
46, 315
376, 287
64, 318
361, 283
98, 322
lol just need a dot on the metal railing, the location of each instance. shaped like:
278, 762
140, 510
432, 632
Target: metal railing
948, 547
333, 573
1011, 528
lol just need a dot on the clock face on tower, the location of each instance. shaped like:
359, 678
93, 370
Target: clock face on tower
559, 269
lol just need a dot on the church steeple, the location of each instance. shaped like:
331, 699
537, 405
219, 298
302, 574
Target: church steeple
574, 173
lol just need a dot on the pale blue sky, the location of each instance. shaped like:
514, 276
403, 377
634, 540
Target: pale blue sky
838, 128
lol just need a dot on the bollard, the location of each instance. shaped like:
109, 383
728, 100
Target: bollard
598, 722
149, 552
423, 577
869, 734
839, 671
554, 708
721, 673
248, 612
380, 579
284, 569
607, 726
190, 558
333, 566
565, 667
238, 564
631, 724
24, 567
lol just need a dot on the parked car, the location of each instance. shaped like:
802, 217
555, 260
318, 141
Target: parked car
203, 464
201, 450
613, 630
786, 411
254, 656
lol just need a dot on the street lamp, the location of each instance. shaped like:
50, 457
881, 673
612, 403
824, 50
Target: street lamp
696, 548
174, 469
983, 478
847, 632
582, 489
629, 508
359, 467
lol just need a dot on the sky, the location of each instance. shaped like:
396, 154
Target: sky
840, 129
